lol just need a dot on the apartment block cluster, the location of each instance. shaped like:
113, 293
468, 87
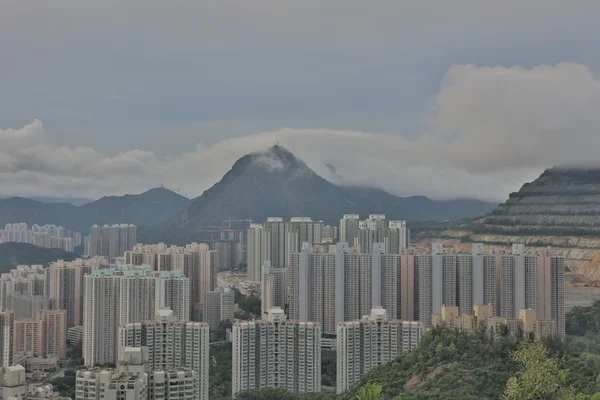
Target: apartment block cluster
195, 261
338, 284
48, 236
41, 306
275, 240
378, 296
107, 307
110, 240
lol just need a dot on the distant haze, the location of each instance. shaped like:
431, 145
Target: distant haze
443, 99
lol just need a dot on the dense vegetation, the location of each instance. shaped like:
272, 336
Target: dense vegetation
581, 320
13, 254
220, 371
248, 305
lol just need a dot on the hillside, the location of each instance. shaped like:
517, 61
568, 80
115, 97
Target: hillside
276, 183
560, 209
142, 209
13, 254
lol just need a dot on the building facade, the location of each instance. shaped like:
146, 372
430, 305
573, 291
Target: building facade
365, 344
171, 344
276, 353
219, 305
123, 294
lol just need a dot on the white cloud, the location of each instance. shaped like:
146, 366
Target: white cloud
487, 131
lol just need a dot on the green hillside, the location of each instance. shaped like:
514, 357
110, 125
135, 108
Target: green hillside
13, 254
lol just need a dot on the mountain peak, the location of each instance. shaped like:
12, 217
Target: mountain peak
274, 160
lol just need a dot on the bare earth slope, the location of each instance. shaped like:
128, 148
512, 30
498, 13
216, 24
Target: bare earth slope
560, 209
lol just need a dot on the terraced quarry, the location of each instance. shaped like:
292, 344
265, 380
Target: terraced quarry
560, 209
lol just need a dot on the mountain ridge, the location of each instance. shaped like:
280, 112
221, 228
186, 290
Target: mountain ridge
277, 183
273, 182
13, 254
145, 208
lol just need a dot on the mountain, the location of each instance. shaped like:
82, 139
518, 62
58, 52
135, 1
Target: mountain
561, 209
76, 201
143, 209
13, 254
421, 208
276, 183
147, 208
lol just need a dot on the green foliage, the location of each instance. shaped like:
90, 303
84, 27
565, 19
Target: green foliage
13, 254
581, 320
540, 376
328, 368
280, 394
75, 354
220, 371
65, 385
249, 305
220, 334
369, 392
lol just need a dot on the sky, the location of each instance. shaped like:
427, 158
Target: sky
446, 99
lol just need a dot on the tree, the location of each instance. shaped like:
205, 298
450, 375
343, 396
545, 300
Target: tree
540, 376
369, 392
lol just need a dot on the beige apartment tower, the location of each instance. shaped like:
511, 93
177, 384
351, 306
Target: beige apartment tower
171, 345
374, 340
276, 353
43, 336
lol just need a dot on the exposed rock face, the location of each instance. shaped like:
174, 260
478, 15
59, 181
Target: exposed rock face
560, 209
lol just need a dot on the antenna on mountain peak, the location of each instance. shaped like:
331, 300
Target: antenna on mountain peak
276, 142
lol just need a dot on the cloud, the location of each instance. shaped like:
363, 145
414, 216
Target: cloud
486, 131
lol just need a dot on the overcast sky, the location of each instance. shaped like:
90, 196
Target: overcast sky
442, 98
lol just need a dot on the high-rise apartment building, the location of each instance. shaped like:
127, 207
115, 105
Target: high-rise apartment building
42, 336
349, 228
276, 239
219, 306
195, 261
557, 293
49, 236
7, 323
23, 280
25, 290
370, 231
398, 237
341, 285
123, 294
133, 380
171, 344
374, 340
255, 251
12, 382
67, 284
407, 292
112, 240
276, 353
273, 290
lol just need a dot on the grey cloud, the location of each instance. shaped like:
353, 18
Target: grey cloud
340, 64
486, 132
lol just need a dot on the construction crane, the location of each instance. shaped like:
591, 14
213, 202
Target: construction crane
230, 220
214, 229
